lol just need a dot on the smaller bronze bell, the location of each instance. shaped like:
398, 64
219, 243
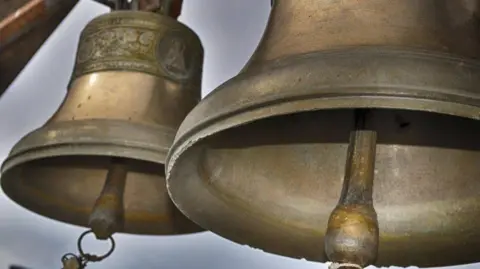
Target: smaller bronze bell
137, 75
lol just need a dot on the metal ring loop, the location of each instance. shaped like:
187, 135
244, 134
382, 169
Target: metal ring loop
68, 255
97, 258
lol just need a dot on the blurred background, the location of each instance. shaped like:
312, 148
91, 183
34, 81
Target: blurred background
230, 30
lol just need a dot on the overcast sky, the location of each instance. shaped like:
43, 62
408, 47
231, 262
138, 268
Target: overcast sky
230, 31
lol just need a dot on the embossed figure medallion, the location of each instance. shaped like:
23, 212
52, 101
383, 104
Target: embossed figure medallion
174, 58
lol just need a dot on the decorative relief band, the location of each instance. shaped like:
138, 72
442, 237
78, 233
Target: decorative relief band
141, 42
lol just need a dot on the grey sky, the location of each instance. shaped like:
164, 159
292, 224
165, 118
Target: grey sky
230, 31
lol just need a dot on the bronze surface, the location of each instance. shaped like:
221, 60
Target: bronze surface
260, 160
114, 108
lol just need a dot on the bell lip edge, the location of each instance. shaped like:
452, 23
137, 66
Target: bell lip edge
46, 151
17, 150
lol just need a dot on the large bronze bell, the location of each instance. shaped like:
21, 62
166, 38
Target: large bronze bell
263, 159
137, 75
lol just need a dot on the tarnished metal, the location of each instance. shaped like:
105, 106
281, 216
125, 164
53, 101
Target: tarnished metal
261, 159
137, 75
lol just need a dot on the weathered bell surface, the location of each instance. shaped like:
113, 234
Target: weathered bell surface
137, 74
261, 160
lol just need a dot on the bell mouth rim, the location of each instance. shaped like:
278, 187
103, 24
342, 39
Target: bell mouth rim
214, 115
116, 138
91, 149
207, 129
151, 147
185, 141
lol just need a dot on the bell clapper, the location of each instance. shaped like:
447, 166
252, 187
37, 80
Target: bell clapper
107, 214
106, 217
352, 235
